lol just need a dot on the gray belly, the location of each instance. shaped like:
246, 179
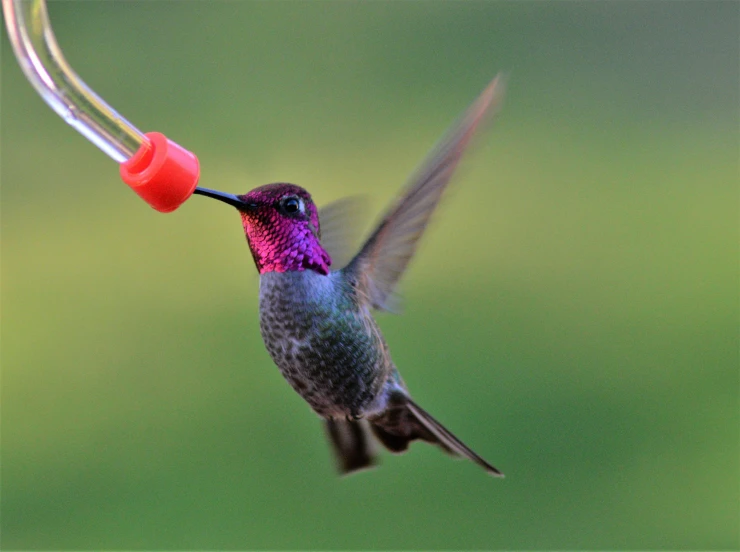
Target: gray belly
330, 351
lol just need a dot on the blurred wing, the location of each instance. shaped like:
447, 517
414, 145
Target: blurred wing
384, 256
341, 224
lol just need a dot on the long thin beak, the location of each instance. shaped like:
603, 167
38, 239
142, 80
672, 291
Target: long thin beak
231, 199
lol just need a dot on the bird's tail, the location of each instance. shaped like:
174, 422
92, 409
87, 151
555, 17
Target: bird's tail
399, 424
405, 421
352, 443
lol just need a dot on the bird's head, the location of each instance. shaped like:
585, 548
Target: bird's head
281, 224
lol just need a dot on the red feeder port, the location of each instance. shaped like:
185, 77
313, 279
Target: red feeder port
162, 173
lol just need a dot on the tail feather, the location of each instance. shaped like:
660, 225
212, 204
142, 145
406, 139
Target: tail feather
397, 444
405, 421
400, 423
353, 446
447, 440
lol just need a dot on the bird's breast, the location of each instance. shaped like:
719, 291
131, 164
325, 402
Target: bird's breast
327, 347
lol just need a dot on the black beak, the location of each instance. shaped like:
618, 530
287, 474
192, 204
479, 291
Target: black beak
231, 199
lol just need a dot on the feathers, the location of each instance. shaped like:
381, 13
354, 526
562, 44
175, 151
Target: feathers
447, 440
352, 444
385, 255
342, 222
404, 421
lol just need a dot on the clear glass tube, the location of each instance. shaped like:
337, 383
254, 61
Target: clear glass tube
45, 67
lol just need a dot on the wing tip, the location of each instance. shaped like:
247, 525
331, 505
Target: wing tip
491, 99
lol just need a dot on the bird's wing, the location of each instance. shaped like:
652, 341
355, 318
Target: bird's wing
383, 258
342, 222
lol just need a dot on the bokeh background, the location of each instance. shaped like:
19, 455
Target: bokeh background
572, 314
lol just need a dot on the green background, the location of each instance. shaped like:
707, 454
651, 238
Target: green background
572, 313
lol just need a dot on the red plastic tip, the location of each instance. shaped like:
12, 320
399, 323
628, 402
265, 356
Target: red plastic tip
163, 173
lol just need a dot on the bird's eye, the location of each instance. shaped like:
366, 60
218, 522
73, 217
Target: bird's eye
291, 205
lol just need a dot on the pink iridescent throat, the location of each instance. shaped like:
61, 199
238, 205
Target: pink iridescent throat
282, 245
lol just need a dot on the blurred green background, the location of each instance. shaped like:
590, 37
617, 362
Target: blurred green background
572, 314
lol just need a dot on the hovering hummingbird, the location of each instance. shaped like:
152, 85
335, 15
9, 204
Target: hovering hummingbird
317, 323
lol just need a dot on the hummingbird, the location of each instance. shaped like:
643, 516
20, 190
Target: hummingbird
317, 322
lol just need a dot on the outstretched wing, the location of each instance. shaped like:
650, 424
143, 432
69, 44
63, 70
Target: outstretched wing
384, 256
342, 222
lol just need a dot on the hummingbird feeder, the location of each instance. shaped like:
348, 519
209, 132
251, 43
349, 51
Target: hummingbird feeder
161, 172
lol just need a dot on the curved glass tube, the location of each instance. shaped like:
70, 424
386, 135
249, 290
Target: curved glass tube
45, 67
